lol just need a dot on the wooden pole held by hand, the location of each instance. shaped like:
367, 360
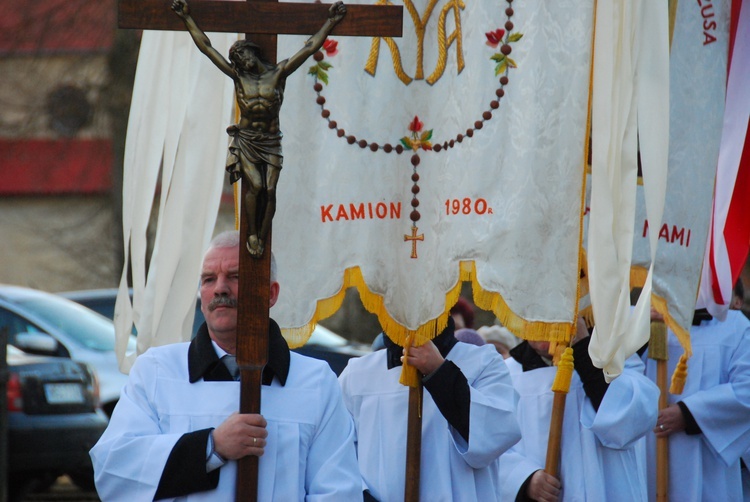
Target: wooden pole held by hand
560, 388
658, 350
413, 444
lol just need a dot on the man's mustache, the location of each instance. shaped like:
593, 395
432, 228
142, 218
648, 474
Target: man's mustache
222, 301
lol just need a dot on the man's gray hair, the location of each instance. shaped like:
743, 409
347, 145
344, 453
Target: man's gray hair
228, 239
231, 239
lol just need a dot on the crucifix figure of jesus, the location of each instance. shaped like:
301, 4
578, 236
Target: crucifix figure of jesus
262, 21
255, 147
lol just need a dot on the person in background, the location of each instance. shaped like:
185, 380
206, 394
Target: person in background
602, 448
463, 314
707, 425
738, 295
176, 432
468, 418
468, 335
378, 343
738, 301
500, 337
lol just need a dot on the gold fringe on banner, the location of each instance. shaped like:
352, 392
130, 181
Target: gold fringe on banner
486, 300
373, 303
527, 330
637, 278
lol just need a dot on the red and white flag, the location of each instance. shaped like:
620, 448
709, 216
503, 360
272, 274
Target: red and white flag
729, 237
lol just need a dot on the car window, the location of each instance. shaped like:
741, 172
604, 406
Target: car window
325, 337
15, 324
88, 328
103, 307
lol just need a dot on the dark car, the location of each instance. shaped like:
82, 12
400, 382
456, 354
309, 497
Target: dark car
333, 348
53, 419
42, 323
323, 343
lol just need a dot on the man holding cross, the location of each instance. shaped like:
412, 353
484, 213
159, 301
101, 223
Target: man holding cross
255, 147
175, 431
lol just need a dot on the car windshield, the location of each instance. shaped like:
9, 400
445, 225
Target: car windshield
326, 338
88, 328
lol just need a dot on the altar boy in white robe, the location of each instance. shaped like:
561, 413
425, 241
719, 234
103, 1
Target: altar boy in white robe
468, 419
176, 433
708, 425
603, 444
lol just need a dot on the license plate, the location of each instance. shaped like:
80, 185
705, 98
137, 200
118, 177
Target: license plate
63, 393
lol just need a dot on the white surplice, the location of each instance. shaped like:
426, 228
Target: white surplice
602, 452
309, 453
451, 469
706, 466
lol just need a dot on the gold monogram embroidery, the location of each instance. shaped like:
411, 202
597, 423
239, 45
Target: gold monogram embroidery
444, 42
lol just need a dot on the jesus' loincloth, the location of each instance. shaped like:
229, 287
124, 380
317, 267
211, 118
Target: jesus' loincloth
252, 147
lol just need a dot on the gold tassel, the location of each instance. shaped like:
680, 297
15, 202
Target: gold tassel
679, 376
683, 336
564, 372
409, 374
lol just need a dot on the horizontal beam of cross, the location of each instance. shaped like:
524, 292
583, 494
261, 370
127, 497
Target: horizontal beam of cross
263, 17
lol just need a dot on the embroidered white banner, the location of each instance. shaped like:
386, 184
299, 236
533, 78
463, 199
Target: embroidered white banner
696, 97
499, 203
504, 197
698, 72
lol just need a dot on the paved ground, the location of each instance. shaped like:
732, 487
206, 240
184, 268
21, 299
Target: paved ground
63, 490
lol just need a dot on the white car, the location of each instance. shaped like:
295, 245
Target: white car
47, 324
323, 343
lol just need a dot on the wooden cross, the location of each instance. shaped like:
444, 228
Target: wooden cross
263, 20
414, 238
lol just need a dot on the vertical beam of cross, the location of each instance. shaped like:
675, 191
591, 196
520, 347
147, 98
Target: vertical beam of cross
253, 317
261, 20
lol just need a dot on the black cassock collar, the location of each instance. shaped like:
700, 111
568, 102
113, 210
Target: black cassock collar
527, 357
701, 315
203, 362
